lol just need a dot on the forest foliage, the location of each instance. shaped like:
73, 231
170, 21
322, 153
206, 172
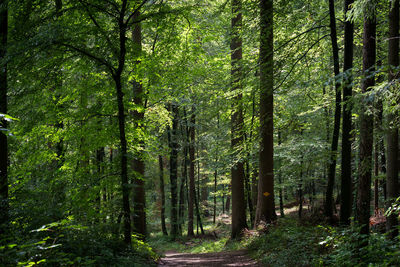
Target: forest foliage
121, 118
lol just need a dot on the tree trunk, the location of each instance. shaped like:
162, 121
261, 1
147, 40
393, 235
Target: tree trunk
139, 194
192, 191
162, 190
216, 173
4, 206
265, 204
281, 208
237, 171
346, 181
366, 125
197, 198
248, 189
173, 165
392, 133
336, 127
181, 211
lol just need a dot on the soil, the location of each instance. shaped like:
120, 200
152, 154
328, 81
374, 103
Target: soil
220, 259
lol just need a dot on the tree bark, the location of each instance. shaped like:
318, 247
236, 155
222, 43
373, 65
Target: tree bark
139, 194
366, 125
173, 165
336, 127
346, 180
192, 191
265, 204
237, 170
197, 196
162, 190
281, 208
392, 133
4, 206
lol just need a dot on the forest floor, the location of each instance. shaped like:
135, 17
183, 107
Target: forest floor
215, 248
212, 249
224, 258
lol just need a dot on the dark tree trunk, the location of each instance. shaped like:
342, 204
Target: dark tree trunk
124, 164
197, 198
378, 140
248, 189
126, 210
162, 190
254, 189
216, 173
215, 196
336, 127
280, 180
238, 200
173, 165
139, 194
100, 155
192, 190
181, 211
4, 216
393, 133
265, 203
346, 180
366, 125
223, 199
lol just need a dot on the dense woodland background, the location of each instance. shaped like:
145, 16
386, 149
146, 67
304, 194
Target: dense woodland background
123, 121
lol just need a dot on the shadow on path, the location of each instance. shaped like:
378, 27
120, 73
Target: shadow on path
226, 258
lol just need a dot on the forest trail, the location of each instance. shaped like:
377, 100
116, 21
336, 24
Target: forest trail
225, 258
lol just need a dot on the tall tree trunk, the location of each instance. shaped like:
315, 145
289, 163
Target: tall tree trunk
254, 189
280, 179
336, 127
248, 189
392, 133
192, 191
366, 125
197, 198
162, 190
216, 173
265, 203
238, 200
346, 180
139, 194
126, 210
181, 210
173, 165
378, 140
4, 216
124, 164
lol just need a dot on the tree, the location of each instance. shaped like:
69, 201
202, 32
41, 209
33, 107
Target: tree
237, 171
336, 127
346, 181
192, 191
265, 204
173, 165
366, 121
3, 120
162, 191
139, 196
392, 132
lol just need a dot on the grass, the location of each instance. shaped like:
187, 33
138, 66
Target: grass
217, 239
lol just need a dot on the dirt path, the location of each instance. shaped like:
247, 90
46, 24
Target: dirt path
226, 258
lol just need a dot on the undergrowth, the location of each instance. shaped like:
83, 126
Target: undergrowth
287, 244
64, 243
291, 243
